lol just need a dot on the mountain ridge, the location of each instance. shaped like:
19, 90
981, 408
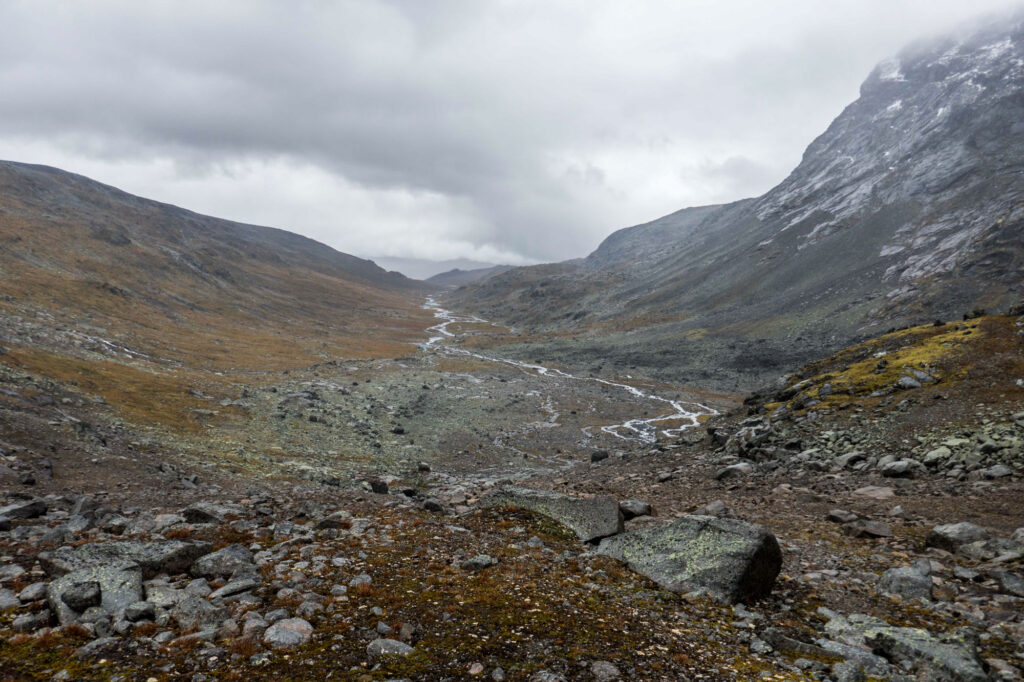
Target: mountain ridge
908, 207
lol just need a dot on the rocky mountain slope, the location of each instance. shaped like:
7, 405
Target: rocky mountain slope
84, 265
910, 207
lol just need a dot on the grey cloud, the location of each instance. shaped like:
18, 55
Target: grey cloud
551, 122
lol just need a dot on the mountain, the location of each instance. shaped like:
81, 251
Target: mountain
86, 267
910, 207
458, 278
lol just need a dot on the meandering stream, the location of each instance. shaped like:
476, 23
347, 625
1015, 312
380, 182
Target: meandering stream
645, 429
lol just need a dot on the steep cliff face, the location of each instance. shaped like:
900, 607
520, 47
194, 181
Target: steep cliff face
909, 207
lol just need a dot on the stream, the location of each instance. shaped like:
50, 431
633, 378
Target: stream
644, 429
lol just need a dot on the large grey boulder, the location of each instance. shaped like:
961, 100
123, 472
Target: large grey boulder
24, 510
952, 536
909, 582
224, 562
591, 518
729, 559
192, 611
288, 633
119, 583
167, 556
952, 656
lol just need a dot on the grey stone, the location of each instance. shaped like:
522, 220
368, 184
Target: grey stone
8, 600
729, 559
382, 647
908, 382
288, 633
235, 587
734, 471
119, 583
1009, 583
33, 592
190, 611
224, 562
591, 518
875, 492
164, 556
997, 471
952, 657
477, 563
901, 468
206, 512
952, 536
633, 508
30, 622
24, 510
603, 671
96, 647
841, 516
82, 595
140, 610
906, 581
864, 528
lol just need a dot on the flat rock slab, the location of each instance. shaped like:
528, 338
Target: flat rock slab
120, 586
168, 556
952, 656
729, 559
591, 518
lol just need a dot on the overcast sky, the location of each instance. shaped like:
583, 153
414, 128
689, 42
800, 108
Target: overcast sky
510, 131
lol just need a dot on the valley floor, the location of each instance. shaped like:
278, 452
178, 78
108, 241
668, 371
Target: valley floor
346, 495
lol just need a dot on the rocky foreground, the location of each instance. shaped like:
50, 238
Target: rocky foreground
860, 519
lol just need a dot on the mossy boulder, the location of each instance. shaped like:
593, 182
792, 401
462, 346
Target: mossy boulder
730, 560
591, 518
168, 556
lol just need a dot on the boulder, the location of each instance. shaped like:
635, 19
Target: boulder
875, 492
591, 518
114, 587
729, 559
952, 656
288, 633
24, 510
952, 536
167, 556
206, 512
224, 562
191, 611
865, 528
633, 508
908, 582
380, 648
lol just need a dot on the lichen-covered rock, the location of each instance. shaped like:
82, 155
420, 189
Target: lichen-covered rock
224, 562
166, 556
952, 536
288, 633
909, 582
591, 518
729, 559
952, 656
119, 585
